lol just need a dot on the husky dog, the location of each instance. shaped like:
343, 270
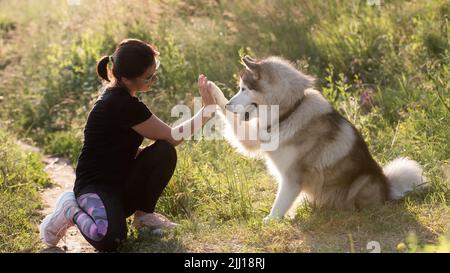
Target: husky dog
320, 154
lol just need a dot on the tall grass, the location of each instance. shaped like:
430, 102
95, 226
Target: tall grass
398, 53
21, 175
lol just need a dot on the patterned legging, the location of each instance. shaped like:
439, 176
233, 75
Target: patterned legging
91, 220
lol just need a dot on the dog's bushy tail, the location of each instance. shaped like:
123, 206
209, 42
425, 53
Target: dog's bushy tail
404, 175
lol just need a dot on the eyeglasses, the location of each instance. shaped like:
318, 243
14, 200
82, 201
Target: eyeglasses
153, 77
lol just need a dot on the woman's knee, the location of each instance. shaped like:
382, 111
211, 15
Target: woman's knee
112, 240
165, 152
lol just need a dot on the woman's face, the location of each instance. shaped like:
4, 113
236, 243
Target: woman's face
146, 80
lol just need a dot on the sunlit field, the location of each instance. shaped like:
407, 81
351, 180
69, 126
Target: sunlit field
398, 51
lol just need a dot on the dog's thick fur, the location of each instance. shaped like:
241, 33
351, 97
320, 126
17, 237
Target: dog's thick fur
320, 153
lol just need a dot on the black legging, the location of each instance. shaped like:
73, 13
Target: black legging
105, 208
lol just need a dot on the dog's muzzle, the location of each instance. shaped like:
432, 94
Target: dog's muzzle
252, 107
241, 110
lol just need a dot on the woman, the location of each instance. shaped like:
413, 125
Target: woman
114, 178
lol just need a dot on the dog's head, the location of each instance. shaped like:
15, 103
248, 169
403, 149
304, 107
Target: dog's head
270, 81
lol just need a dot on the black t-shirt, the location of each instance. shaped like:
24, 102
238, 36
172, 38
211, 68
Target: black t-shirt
110, 144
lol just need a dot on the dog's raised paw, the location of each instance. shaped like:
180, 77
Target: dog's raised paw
217, 94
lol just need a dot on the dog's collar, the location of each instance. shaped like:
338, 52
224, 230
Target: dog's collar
287, 114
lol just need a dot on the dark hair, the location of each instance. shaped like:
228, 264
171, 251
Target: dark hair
130, 60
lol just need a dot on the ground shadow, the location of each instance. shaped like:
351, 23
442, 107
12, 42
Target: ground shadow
153, 242
380, 229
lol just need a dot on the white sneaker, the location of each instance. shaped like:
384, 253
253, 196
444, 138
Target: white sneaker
55, 225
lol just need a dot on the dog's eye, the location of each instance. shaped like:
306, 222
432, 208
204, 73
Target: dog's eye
242, 89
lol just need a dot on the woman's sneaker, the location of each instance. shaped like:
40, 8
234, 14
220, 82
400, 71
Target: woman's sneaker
153, 221
55, 225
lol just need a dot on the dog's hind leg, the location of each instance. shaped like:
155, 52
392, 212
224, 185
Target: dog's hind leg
287, 194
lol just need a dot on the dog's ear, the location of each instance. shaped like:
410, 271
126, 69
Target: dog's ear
248, 58
252, 65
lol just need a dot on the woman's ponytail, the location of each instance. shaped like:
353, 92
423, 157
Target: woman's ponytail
102, 68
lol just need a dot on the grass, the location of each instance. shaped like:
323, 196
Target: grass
21, 175
399, 52
313, 231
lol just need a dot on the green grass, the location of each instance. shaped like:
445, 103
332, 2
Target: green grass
21, 175
399, 50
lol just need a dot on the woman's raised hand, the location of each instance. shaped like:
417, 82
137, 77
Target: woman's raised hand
205, 90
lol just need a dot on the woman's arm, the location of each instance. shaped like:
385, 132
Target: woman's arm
154, 128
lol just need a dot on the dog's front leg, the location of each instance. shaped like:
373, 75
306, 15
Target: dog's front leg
243, 143
288, 192
221, 100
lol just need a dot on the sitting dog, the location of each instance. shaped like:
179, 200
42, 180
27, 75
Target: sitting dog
319, 153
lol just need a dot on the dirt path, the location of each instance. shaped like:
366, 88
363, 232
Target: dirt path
63, 177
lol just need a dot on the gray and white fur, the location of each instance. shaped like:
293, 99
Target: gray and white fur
320, 154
